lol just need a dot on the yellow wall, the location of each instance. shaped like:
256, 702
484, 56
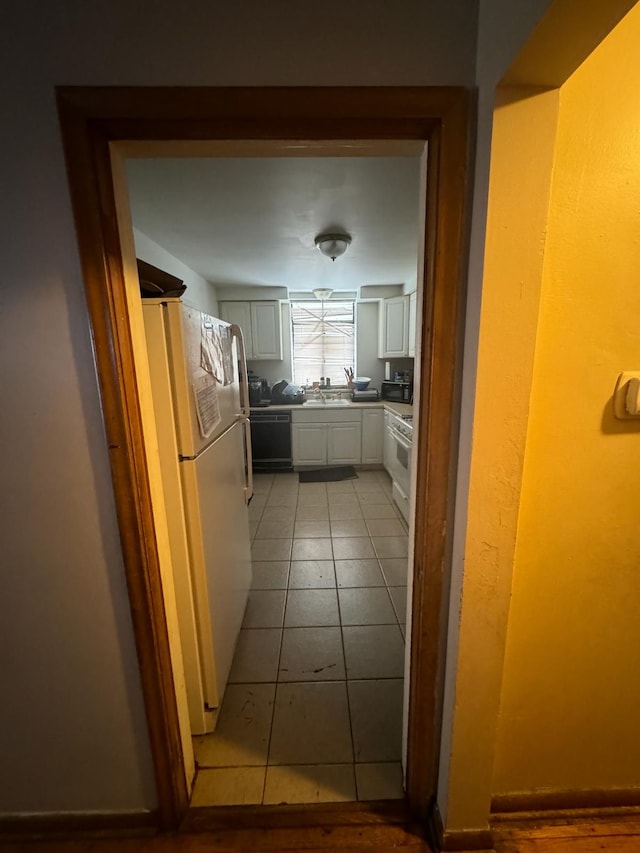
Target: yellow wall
570, 702
521, 159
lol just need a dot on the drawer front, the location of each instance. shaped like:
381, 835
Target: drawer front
326, 416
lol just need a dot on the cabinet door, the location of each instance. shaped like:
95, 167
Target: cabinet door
344, 444
372, 436
266, 330
388, 447
309, 444
394, 327
240, 314
412, 323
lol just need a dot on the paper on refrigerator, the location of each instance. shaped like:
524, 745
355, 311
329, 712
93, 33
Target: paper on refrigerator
205, 392
216, 350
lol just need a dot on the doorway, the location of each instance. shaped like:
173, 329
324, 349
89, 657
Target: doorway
96, 124
322, 640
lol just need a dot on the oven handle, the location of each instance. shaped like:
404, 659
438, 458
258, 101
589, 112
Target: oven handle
397, 436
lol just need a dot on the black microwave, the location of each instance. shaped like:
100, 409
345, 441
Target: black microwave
397, 392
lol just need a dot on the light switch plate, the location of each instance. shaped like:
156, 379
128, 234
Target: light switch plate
620, 395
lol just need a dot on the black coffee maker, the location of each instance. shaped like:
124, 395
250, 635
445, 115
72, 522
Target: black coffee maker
255, 392
259, 391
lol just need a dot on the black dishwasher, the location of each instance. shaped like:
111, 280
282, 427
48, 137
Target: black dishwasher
271, 440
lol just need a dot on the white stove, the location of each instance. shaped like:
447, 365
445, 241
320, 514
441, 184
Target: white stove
405, 426
400, 431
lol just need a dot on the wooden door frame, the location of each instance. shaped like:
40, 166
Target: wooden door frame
93, 118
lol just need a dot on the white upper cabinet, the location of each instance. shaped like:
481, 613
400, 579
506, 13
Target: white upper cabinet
261, 326
266, 330
393, 331
239, 313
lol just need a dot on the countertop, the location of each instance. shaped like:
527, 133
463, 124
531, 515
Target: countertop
396, 408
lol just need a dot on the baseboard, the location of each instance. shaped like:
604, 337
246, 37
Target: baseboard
73, 825
435, 827
468, 840
456, 840
557, 800
269, 818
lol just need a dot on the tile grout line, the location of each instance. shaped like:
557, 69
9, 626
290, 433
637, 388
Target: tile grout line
346, 688
369, 537
275, 689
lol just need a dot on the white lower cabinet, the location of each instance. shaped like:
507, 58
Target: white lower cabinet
336, 436
344, 443
309, 444
388, 446
372, 436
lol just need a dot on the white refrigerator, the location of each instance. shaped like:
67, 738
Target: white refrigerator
201, 408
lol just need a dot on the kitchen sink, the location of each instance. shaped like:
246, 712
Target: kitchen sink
325, 404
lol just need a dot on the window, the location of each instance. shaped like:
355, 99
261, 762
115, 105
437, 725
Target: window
323, 336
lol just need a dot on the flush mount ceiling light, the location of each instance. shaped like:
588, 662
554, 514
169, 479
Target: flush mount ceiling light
322, 293
333, 245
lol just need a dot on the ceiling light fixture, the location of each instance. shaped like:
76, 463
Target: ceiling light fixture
322, 293
333, 245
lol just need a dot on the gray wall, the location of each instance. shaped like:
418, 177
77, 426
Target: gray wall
200, 293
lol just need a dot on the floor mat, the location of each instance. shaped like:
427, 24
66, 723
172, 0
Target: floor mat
327, 475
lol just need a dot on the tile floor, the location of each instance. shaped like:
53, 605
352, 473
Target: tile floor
313, 708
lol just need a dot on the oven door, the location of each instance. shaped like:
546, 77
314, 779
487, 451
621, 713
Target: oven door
401, 459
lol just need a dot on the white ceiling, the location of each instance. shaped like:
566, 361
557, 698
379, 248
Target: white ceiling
253, 221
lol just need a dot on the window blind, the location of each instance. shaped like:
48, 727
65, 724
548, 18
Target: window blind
323, 340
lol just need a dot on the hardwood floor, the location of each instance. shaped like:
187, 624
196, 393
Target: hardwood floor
348, 839
620, 834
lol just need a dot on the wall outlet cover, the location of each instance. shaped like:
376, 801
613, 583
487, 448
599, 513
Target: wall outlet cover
620, 394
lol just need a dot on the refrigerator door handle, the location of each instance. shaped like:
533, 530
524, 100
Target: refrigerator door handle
248, 461
236, 331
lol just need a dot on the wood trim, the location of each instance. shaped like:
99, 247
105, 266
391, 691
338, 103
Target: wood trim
503, 805
442, 320
294, 816
467, 840
35, 827
191, 107
91, 118
91, 185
